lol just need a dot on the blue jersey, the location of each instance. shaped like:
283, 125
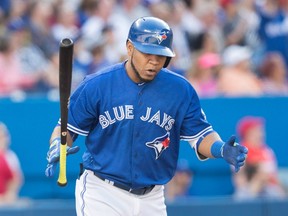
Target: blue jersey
273, 32
133, 130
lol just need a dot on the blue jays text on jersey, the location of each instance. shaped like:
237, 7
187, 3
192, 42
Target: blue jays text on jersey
121, 113
132, 130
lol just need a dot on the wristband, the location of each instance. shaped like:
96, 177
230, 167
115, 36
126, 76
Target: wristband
217, 149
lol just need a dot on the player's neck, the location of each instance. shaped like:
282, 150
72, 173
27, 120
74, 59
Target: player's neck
132, 74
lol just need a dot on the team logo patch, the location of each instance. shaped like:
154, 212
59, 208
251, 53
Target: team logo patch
161, 36
159, 144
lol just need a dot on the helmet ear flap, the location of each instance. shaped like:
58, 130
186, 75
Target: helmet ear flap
168, 59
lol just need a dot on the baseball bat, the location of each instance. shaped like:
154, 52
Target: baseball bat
65, 77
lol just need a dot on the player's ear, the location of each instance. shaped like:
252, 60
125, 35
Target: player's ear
129, 47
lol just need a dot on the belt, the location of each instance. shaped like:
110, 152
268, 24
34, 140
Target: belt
138, 191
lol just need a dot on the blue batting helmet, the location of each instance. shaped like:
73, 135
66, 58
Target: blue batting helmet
152, 35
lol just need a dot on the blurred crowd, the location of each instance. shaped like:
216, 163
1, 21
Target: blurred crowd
260, 174
223, 47
260, 178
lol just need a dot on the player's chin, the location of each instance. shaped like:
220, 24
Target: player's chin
149, 76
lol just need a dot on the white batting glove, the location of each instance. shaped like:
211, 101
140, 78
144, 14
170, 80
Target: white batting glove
53, 156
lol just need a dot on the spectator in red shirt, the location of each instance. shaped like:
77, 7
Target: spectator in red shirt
10, 171
259, 176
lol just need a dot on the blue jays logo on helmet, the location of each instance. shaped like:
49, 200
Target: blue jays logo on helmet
159, 144
161, 36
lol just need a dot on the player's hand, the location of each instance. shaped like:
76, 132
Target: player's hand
234, 153
53, 156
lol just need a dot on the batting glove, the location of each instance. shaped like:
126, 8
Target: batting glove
53, 156
234, 153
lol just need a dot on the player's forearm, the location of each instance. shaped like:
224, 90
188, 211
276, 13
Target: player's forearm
56, 134
204, 148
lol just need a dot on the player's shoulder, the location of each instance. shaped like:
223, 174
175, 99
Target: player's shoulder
176, 78
173, 75
178, 82
104, 73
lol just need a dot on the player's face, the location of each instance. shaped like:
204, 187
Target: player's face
142, 67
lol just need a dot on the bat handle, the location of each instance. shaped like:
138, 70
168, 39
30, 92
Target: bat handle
62, 179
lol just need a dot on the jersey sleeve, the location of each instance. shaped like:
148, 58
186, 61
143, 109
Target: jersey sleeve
195, 125
82, 110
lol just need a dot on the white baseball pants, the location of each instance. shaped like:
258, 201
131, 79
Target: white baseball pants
95, 197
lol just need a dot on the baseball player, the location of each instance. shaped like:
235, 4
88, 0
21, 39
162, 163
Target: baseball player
134, 115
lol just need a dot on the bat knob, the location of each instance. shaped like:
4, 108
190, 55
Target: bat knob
66, 42
62, 184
